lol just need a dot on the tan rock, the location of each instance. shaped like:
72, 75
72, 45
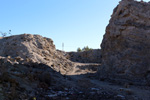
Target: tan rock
126, 43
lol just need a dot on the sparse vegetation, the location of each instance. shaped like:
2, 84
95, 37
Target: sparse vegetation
79, 50
4, 34
86, 48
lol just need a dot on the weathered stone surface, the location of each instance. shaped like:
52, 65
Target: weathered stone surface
91, 56
126, 43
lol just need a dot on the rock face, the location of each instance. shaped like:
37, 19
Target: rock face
91, 56
36, 49
126, 44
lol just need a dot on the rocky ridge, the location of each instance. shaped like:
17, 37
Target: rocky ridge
126, 44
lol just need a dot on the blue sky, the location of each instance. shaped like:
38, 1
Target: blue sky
76, 23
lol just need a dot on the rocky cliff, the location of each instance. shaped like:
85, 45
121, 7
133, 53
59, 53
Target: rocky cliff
126, 44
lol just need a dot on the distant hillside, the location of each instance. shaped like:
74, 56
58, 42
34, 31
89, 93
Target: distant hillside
91, 56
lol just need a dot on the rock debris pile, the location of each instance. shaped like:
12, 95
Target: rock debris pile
36, 49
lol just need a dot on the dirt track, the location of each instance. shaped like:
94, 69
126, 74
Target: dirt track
84, 76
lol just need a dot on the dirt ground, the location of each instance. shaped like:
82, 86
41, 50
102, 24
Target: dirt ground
84, 76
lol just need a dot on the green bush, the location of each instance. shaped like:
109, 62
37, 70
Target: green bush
79, 50
86, 48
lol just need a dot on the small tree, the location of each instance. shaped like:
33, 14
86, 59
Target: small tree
4, 34
79, 50
86, 48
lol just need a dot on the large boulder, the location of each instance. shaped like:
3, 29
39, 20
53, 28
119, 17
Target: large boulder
126, 44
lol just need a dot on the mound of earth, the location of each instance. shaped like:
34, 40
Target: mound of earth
36, 49
126, 44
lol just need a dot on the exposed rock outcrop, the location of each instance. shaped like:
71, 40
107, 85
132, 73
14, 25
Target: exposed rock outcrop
91, 56
126, 44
